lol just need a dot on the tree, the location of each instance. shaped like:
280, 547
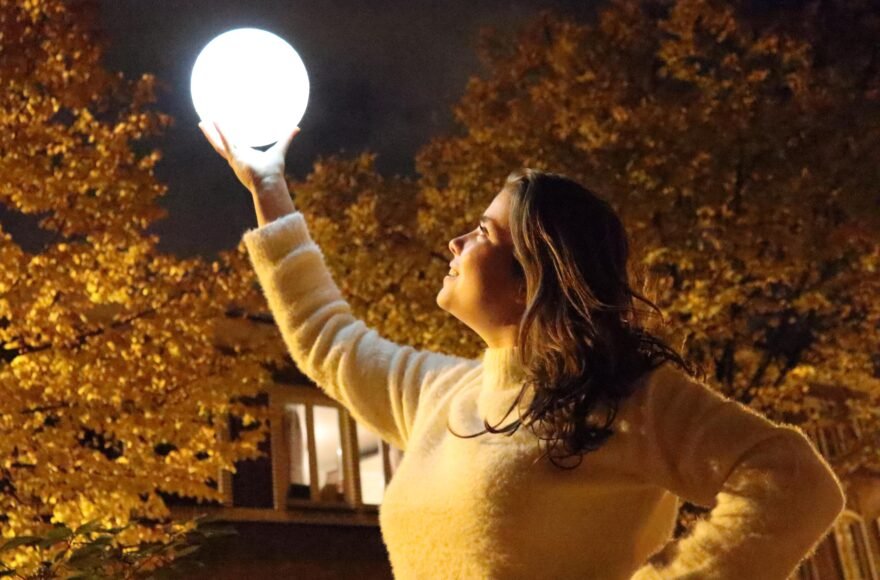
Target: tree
116, 387
738, 145
367, 228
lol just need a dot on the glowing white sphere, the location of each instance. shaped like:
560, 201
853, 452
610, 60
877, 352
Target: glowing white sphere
252, 83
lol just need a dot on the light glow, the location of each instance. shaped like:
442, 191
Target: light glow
252, 83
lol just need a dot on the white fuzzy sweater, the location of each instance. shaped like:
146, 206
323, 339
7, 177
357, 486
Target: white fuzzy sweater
484, 508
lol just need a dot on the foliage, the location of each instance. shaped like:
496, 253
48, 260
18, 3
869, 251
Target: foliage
366, 227
116, 383
737, 141
90, 551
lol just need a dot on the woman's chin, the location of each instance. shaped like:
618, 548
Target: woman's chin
442, 299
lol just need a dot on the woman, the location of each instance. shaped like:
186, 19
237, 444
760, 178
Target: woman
542, 280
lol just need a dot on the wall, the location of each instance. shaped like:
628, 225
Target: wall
296, 551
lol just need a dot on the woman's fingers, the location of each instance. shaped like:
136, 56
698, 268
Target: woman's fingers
226, 144
282, 145
212, 139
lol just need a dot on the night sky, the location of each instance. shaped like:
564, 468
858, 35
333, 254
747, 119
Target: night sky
383, 77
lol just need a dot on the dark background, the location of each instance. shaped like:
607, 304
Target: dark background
383, 75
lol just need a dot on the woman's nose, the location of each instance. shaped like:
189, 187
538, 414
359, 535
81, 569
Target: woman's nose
453, 246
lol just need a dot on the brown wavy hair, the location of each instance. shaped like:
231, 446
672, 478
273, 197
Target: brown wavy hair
580, 339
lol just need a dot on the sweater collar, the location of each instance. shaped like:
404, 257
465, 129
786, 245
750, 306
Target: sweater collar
503, 378
502, 370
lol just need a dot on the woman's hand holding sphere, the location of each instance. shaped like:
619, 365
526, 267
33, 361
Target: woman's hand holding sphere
257, 170
261, 172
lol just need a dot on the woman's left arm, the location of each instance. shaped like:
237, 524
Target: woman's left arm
773, 496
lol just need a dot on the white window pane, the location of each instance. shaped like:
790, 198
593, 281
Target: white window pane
328, 443
370, 461
295, 423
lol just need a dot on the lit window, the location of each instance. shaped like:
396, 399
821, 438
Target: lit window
295, 425
371, 460
377, 462
321, 462
328, 447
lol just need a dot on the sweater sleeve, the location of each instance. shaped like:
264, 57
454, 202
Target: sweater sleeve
379, 382
773, 496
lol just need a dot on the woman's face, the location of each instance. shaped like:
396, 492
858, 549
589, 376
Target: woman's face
484, 291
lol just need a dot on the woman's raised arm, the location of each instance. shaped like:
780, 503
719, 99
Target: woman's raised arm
379, 382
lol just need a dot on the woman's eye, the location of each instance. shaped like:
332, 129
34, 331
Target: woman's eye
483, 230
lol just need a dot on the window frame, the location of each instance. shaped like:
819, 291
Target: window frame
854, 551
280, 396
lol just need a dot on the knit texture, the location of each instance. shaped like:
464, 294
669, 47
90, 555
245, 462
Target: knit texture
491, 507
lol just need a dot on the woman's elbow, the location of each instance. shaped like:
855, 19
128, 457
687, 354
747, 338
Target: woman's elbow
826, 493
834, 496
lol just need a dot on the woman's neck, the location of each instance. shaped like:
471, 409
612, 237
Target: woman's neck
501, 336
502, 368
